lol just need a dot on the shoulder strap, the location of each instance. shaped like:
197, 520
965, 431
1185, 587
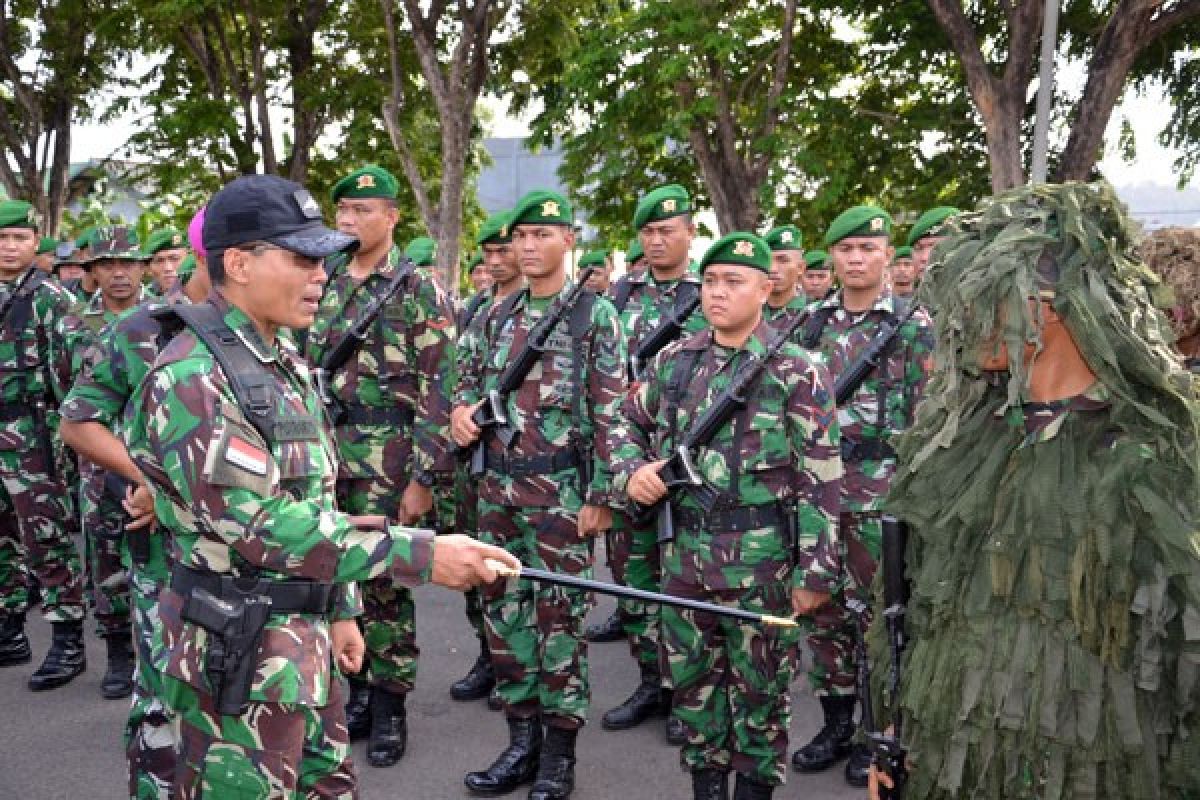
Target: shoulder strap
21, 308
677, 387
621, 294
506, 308
579, 324
810, 334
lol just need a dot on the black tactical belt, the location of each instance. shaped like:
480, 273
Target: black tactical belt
537, 465
872, 450
369, 415
730, 520
287, 597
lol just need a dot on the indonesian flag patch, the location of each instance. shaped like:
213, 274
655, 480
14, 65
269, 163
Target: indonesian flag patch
245, 455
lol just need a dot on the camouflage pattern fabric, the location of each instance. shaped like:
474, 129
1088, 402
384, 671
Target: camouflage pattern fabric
778, 318
779, 454
34, 510
151, 738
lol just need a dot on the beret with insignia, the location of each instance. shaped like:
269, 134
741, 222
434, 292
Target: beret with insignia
903, 252
664, 202
164, 239
369, 181
542, 207
17, 214
785, 237
422, 250
47, 245
495, 230
634, 252
741, 248
593, 258
928, 223
816, 259
859, 221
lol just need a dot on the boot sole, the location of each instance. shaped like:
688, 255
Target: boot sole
468, 697
807, 768
16, 661
498, 792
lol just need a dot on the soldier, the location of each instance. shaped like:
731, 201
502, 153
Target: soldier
665, 289
600, 262
34, 525
226, 428
477, 272
817, 278
635, 257
787, 265
903, 273
1173, 254
775, 471
44, 260
926, 233
392, 410
546, 496
165, 249
92, 413
422, 250
840, 327
117, 265
71, 272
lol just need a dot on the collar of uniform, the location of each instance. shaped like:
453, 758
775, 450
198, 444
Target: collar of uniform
691, 275
95, 304
755, 344
526, 296
885, 302
390, 264
241, 325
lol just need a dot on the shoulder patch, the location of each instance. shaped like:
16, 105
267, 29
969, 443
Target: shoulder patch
246, 455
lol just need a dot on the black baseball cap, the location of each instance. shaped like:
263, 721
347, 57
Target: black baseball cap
267, 208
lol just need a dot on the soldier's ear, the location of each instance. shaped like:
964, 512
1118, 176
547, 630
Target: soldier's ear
237, 266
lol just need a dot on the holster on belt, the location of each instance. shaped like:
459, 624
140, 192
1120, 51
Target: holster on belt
236, 627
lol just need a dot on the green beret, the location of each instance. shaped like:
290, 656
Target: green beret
47, 245
368, 181
634, 251
594, 258
816, 259
785, 237
17, 214
859, 221
903, 252
741, 248
542, 207
117, 242
164, 239
495, 230
662, 203
927, 223
187, 268
422, 250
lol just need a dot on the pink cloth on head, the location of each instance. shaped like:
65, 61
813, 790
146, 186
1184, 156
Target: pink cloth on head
196, 233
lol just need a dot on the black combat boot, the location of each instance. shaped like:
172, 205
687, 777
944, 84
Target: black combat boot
556, 767
478, 683
118, 678
494, 701
832, 742
645, 702
859, 765
747, 788
64, 660
389, 728
14, 644
611, 630
516, 764
358, 707
710, 784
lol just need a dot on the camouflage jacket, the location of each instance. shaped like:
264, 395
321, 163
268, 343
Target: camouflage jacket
234, 503
34, 367
551, 414
405, 363
884, 404
780, 318
81, 327
648, 301
781, 448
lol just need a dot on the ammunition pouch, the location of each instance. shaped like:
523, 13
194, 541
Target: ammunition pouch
870, 450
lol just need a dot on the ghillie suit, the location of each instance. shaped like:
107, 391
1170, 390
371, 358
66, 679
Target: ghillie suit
1174, 255
1054, 554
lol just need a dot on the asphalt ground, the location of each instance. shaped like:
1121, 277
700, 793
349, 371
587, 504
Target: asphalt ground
66, 744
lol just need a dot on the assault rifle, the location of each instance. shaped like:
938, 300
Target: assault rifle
493, 413
668, 330
852, 377
350, 344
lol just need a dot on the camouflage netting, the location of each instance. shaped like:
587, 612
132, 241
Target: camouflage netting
1174, 255
1055, 612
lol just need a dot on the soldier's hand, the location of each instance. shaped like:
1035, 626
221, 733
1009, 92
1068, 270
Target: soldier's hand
462, 428
416, 502
645, 486
806, 601
139, 504
458, 561
373, 522
348, 645
875, 779
594, 520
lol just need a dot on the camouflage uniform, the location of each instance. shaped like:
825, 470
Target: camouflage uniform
780, 318
396, 392
869, 462
536, 632
778, 459
34, 526
233, 503
112, 369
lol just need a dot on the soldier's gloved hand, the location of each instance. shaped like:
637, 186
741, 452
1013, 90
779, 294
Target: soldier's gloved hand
645, 486
458, 561
806, 601
462, 428
139, 504
416, 502
594, 520
348, 645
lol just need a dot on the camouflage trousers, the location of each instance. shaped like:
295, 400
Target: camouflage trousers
633, 557
35, 541
150, 737
103, 531
269, 751
389, 621
731, 677
831, 630
535, 631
